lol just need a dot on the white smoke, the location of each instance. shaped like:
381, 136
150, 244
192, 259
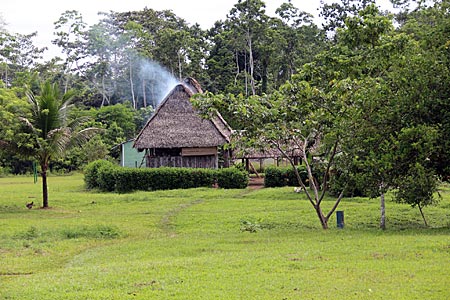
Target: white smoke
157, 80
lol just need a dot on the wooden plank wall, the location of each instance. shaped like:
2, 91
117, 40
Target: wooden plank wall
207, 161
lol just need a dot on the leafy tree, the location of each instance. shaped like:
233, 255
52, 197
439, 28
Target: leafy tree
431, 74
70, 32
417, 188
391, 87
416, 182
336, 13
355, 102
298, 120
12, 103
303, 40
17, 55
248, 22
253, 53
46, 133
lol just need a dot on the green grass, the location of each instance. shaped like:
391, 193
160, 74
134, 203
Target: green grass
198, 244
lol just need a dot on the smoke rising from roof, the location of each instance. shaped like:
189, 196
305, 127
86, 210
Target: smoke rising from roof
158, 80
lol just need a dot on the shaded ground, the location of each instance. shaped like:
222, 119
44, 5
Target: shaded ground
256, 183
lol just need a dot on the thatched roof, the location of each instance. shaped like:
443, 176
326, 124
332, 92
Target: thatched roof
263, 148
176, 124
268, 152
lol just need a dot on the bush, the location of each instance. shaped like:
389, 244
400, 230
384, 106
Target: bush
107, 175
130, 179
202, 177
232, 178
273, 177
127, 180
91, 175
277, 177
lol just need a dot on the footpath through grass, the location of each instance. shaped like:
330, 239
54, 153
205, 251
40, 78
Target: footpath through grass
214, 244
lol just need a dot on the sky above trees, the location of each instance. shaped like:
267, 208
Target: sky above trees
40, 15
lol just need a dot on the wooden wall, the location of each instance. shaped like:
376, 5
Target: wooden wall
205, 161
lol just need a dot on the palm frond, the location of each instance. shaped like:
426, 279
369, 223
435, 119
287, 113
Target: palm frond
78, 122
84, 135
27, 123
33, 102
58, 141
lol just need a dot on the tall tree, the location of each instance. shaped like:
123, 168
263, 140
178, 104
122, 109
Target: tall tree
18, 54
336, 13
70, 32
386, 70
246, 24
303, 40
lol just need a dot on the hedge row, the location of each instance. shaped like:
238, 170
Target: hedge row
107, 177
277, 177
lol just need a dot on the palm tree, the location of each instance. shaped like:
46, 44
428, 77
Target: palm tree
48, 130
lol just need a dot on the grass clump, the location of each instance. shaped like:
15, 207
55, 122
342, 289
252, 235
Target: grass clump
91, 232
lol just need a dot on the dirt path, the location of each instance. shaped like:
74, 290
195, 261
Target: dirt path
166, 220
256, 183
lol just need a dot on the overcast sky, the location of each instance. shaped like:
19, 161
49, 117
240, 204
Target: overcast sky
27, 16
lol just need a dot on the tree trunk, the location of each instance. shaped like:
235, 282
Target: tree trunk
246, 76
104, 99
180, 75
44, 168
144, 94
423, 216
252, 64
322, 218
6, 76
316, 200
237, 68
265, 77
383, 212
133, 98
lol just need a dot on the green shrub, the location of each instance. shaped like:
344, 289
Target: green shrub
123, 180
107, 177
91, 173
148, 179
277, 177
4, 171
126, 180
203, 177
232, 178
273, 177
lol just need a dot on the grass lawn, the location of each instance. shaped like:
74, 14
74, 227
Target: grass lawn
198, 244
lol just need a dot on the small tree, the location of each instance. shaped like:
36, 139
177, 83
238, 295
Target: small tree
46, 132
298, 119
417, 188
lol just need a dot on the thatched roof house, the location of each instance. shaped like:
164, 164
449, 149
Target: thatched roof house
177, 136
